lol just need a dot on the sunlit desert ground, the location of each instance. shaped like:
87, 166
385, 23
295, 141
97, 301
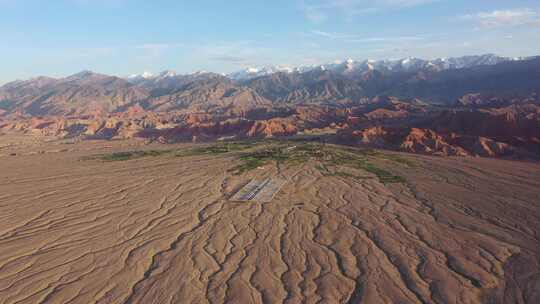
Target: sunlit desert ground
161, 229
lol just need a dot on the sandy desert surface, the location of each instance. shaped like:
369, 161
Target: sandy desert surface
162, 229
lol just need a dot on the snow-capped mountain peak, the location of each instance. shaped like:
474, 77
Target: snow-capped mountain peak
253, 72
348, 67
144, 75
148, 76
167, 74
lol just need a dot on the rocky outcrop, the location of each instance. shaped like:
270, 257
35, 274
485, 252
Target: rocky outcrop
514, 120
426, 141
272, 128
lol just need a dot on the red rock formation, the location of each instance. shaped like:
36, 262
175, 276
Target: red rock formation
386, 114
271, 128
427, 141
382, 122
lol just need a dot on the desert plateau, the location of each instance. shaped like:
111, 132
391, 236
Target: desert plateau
130, 222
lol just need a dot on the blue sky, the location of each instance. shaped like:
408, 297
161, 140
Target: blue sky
122, 37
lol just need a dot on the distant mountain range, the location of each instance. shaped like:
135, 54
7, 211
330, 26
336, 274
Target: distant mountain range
351, 67
440, 81
477, 105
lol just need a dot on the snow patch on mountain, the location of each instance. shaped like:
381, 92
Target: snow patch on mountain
347, 67
145, 75
353, 67
253, 72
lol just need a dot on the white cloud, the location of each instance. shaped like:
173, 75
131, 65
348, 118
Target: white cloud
156, 50
232, 54
387, 39
338, 36
502, 18
321, 33
99, 2
357, 38
314, 15
319, 10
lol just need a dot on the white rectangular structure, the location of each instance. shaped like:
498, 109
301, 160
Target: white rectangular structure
259, 191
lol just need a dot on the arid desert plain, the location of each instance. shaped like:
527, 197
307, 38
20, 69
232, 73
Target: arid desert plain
125, 222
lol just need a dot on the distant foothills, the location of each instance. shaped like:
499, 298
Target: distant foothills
482, 105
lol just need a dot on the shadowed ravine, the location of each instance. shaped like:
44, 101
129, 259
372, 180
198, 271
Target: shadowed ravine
162, 230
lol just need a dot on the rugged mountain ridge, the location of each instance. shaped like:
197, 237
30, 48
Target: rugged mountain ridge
439, 81
488, 110
351, 67
382, 122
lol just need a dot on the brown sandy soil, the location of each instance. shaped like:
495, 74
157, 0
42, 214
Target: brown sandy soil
161, 230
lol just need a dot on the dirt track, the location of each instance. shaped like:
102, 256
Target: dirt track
161, 230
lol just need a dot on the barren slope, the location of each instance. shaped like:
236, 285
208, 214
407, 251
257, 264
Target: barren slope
161, 230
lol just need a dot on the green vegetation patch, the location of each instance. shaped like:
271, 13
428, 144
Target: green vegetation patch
384, 176
395, 158
207, 150
278, 153
249, 162
128, 155
217, 149
333, 159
